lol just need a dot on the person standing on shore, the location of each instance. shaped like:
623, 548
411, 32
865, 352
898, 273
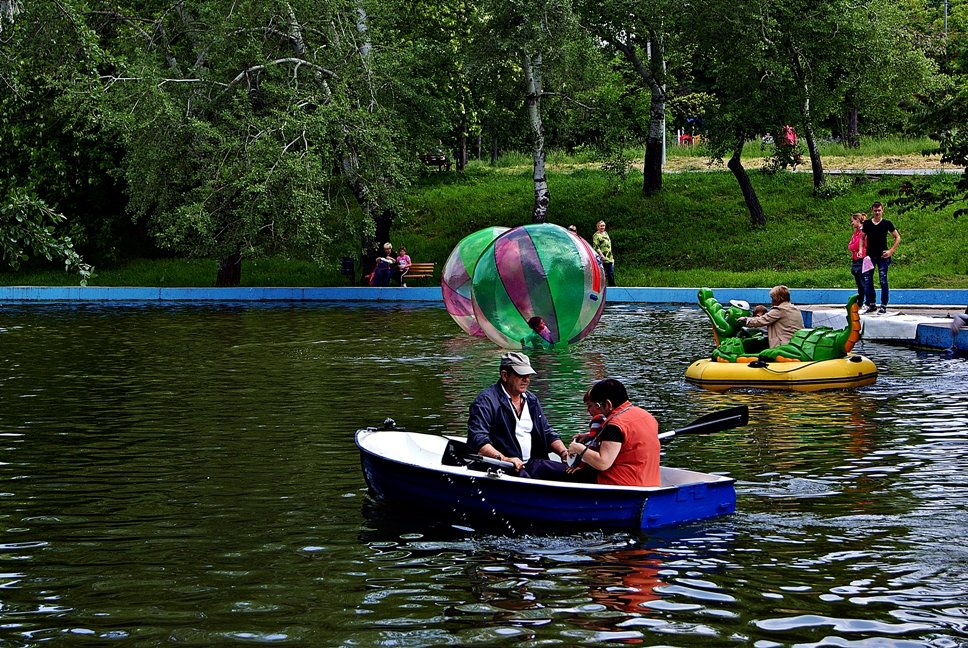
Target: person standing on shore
875, 243
602, 244
857, 256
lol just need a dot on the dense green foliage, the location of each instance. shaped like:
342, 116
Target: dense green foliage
695, 233
34, 223
291, 129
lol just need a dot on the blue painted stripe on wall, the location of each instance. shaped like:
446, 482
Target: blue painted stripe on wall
617, 295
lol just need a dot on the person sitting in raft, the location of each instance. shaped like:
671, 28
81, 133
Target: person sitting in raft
628, 452
781, 321
506, 423
541, 338
758, 311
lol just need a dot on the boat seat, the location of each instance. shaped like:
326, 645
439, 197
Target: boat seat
454, 454
458, 453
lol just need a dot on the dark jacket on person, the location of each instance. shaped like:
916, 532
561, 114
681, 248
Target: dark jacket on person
492, 420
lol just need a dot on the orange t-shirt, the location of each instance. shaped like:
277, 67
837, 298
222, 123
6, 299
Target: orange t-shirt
637, 463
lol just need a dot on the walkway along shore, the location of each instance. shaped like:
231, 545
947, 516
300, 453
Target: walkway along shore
916, 317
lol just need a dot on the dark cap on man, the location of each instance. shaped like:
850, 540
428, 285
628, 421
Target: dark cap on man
518, 363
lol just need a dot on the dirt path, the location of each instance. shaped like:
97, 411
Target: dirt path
898, 164
831, 162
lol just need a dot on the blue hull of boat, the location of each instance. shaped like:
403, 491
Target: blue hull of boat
464, 494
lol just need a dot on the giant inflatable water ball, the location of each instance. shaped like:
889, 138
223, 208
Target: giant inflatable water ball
455, 279
540, 270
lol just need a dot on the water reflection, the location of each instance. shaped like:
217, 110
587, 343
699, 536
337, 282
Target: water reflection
626, 581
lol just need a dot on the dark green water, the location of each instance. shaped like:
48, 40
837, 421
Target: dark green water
188, 475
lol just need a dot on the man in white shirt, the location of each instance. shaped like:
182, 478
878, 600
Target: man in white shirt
506, 422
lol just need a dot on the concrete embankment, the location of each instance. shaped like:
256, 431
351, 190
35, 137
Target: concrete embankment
919, 318
927, 327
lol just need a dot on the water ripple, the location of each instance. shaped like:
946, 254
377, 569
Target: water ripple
187, 474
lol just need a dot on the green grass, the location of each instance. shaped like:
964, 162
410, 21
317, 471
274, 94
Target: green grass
696, 232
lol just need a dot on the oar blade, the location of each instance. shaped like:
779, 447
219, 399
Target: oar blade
718, 421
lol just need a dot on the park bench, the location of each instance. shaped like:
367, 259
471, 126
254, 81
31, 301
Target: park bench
419, 271
438, 160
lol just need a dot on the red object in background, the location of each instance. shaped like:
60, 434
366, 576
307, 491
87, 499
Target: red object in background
685, 139
788, 136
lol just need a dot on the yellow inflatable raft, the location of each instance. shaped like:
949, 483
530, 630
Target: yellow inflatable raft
839, 373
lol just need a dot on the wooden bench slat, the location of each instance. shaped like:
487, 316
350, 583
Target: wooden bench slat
420, 271
438, 160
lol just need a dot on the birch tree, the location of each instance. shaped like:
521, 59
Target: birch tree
640, 33
534, 31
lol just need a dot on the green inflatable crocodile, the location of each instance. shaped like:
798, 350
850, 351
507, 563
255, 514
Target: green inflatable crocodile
727, 329
734, 344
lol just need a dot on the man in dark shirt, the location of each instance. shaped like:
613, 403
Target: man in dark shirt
875, 242
506, 422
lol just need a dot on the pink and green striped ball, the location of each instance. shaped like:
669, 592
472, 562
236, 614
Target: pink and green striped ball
455, 278
537, 270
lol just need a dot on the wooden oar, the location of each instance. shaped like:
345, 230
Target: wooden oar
715, 422
458, 453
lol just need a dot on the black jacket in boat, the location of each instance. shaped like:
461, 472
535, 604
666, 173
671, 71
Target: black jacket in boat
492, 420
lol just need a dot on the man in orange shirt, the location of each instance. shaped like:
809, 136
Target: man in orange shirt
628, 450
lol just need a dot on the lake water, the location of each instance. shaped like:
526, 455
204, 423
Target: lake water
187, 474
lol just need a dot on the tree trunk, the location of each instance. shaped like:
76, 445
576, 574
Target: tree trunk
370, 246
532, 77
229, 271
815, 161
368, 197
652, 168
853, 137
653, 75
735, 164
462, 151
462, 140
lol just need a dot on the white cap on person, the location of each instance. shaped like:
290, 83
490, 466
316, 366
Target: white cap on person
517, 362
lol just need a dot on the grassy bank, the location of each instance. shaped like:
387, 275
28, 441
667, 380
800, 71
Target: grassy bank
696, 232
